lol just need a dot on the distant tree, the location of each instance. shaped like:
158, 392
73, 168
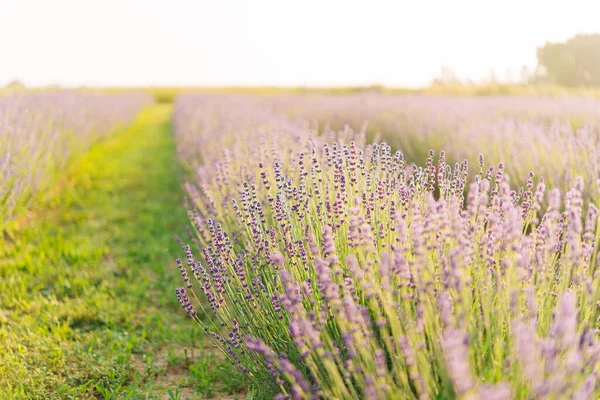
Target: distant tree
492, 79
15, 85
524, 74
509, 75
573, 63
447, 77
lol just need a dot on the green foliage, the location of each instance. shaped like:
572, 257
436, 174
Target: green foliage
573, 63
15, 85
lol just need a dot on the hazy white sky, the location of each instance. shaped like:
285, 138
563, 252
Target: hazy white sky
263, 42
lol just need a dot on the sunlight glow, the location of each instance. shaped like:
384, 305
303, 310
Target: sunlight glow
266, 42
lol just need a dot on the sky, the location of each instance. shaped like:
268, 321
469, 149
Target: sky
400, 43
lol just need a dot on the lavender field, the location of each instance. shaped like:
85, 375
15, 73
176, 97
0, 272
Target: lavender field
41, 132
448, 249
556, 137
299, 246
314, 200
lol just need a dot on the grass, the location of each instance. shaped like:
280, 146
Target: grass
86, 289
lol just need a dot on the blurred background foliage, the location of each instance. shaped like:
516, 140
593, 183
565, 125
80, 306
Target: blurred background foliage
573, 63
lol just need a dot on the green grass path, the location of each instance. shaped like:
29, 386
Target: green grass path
87, 307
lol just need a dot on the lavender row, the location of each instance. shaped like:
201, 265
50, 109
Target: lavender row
40, 132
326, 267
558, 137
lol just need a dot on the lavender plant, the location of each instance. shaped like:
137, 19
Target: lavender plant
557, 137
325, 267
39, 132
